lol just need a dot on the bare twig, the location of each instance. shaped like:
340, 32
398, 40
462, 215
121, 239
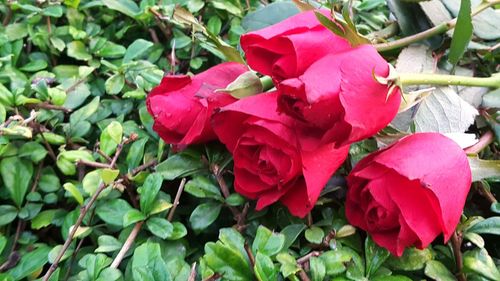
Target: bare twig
46, 105
250, 254
456, 243
192, 275
303, 276
307, 257
154, 36
176, 200
485, 192
11, 261
94, 164
143, 167
126, 246
83, 212
104, 155
158, 18
49, 148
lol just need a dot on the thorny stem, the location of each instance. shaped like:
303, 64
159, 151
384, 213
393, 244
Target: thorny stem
438, 29
443, 79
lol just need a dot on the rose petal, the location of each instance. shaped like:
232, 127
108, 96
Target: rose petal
296, 199
318, 166
410, 157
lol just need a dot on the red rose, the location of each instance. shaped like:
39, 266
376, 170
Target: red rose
338, 96
286, 49
182, 105
410, 192
268, 162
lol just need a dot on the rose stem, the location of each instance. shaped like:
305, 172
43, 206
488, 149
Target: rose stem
443, 79
83, 212
483, 142
126, 246
267, 83
176, 200
438, 29
456, 243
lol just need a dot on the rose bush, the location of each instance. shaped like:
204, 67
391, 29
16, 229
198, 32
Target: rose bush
288, 48
338, 99
410, 192
182, 105
269, 164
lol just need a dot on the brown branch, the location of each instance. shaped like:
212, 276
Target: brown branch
37, 176
167, 32
250, 254
11, 261
104, 155
456, 243
303, 276
154, 36
46, 105
8, 16
483, 191
307, 257
142, 167
83, 212
176, 200
93, 164
126, 246
49, 148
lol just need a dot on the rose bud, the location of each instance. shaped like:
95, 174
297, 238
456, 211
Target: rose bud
410, 192
338, 98
182, 105
288, 48
268, 163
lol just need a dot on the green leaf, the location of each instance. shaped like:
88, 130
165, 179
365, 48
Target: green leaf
149, 191
137, 49
113, 211
267, 15
107, 243
111, 50
291, 233
288, 264
16, 174
235, 200
35, 151
204, 215
109, 175
314, 235
136, 153
94, 264
336, 261
77, 50
411, 260
462, 33
438, 271
478, 261
483, 169
178, 232
160, 227
488, 226
214, 24
375, 256
111, 137
55, 11
91, 182
267, 242
109, 274
16, 31
491, 99
7, 214
114, 84
179, 165
264, 268
127, 7
34, 66
203, 187
43, 219
148, 264
232, 7
132, 216
226, 259
317, 268
30, 263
